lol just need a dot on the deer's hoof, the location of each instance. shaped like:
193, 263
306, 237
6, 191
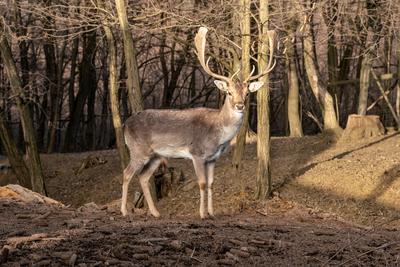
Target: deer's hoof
211, 213
124, 212
155, 214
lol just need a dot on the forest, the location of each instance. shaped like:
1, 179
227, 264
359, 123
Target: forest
319, 139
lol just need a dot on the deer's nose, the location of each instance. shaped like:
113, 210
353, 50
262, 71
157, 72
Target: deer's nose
239, 106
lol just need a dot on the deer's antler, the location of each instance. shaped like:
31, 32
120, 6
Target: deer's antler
271, 62
200, 43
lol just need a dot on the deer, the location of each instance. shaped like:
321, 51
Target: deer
199, 134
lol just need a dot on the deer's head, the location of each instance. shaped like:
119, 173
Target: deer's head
236, 90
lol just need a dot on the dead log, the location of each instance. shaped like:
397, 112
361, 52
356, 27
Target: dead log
15, 241
362, 126
25, 195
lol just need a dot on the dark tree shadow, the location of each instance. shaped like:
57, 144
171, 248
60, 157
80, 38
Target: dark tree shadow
386, 180
300, 171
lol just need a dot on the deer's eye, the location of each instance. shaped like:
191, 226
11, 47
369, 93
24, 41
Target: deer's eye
229, 93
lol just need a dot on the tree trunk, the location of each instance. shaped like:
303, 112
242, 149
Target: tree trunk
398, 85
389, 105
17, 163
71, 85
42, 121
101, 135
113, 85
52, 74
295, 125
133, 82
245, 71
23, 46
320, 91
264, 184
23, 55
347, 93
87, 84
91, 121
364, 85
33, 159
330, 15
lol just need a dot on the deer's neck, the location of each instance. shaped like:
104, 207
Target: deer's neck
230, 122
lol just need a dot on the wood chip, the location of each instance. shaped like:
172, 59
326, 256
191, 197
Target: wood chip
72, 260
271, 242
140, 256
24, 216
237, 242
240, 253
280, 243
226, 262
155, 239
43, 216
42, 263
257, 242
177, 244
232, 256
249, 249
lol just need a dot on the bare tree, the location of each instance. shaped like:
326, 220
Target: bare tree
294, 118
133, 81
264, 183
113, 84
245, 72
14, 156
319, 89
33, 159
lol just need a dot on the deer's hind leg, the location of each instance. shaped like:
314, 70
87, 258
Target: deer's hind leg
144, 178
134, 167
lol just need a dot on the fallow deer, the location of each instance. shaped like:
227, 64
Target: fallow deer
199, 134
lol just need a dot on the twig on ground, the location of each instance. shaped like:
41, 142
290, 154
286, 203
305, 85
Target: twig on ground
359, 238
262, 213
194, 258
369, 251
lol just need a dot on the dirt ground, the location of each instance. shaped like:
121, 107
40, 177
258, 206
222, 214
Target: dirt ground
333, 204
358, 181
42, 235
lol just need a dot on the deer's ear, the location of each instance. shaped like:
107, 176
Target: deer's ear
221, 85
254, 86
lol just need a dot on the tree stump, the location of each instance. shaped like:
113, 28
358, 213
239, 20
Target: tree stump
362, 126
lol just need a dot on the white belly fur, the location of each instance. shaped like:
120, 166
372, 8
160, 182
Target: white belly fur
173, 152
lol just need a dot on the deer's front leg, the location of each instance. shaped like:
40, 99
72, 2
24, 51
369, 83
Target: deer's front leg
200, 169
210, 179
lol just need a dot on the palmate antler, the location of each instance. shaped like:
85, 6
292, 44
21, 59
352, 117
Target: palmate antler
200, 43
